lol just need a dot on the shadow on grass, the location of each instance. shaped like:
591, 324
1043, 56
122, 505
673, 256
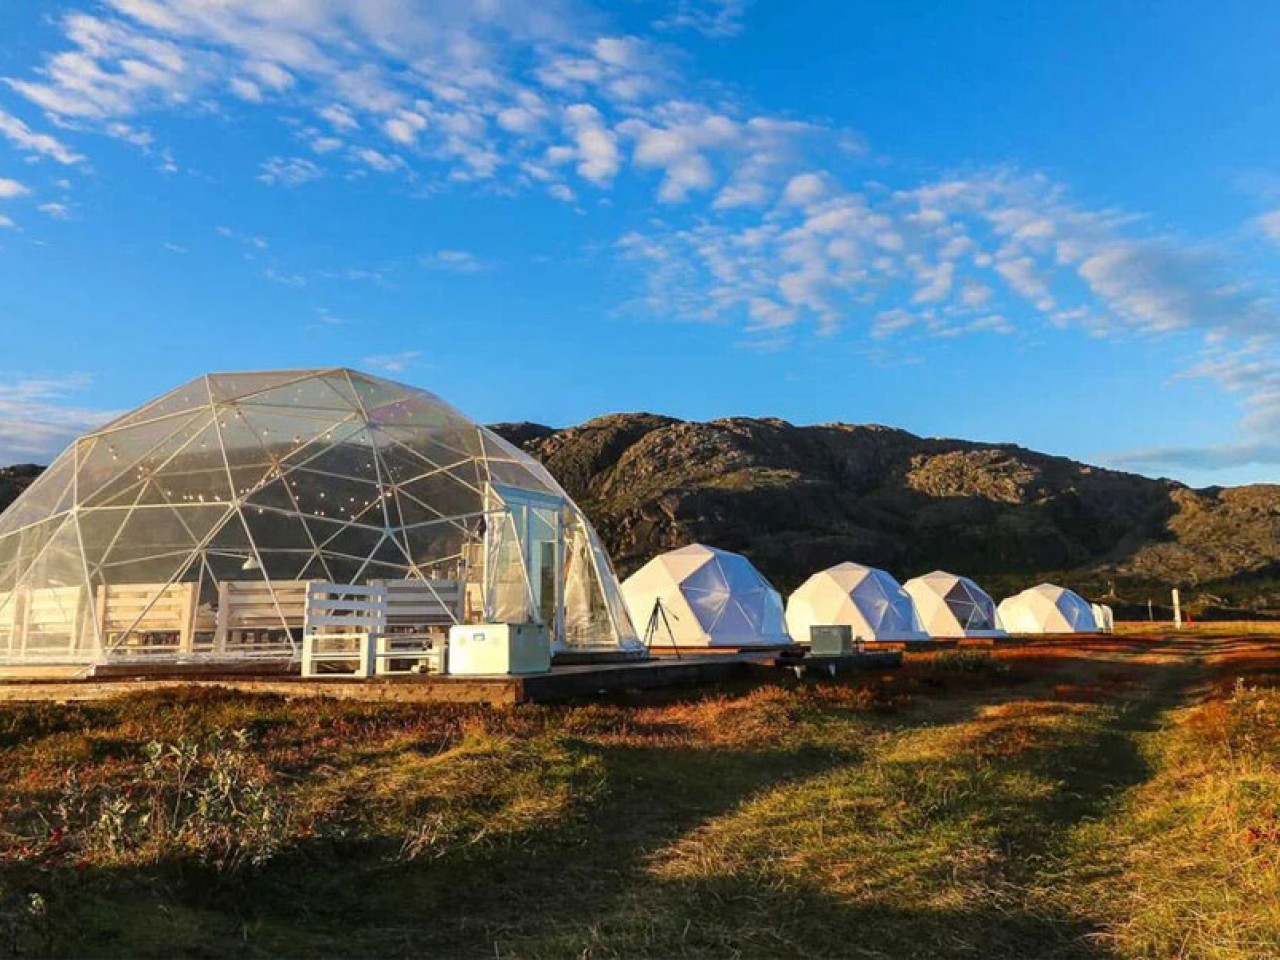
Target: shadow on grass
570, 890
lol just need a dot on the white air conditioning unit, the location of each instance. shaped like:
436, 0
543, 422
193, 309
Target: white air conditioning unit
498, 649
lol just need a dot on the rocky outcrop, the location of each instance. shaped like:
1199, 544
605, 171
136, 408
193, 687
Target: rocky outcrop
799, 498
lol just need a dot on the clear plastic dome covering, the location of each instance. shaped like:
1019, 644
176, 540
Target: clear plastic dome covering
136, 538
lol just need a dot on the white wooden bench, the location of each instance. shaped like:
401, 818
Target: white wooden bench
253, 615
419, 615
342, 623
417, 604
147, 618
10, 617
54, 620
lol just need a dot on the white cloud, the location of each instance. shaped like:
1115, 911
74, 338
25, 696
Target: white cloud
711, 18
392, 362
405, 126
11, 188
289, 171
6, 223
382, 162
1270, 224
452, 261
680, 147
59, 211
470, 90
889, 322
804, 189
36, 419
246, 89
340, 117
295, 280
114, 70
1158, 286
1211, 458
981, 250
596, 146
40, 144
516, 96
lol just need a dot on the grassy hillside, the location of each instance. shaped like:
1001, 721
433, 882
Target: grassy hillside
1113, 801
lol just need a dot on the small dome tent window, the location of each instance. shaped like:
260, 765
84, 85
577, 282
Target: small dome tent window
1047, 608
952, 606
1104, 617
869, 600
710, 598
190, 527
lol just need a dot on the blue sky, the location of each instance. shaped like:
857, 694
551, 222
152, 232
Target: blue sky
1050, 224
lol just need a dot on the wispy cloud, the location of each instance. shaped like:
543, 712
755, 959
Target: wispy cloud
452, 261
289, 171
473, 93
762, 223
29, 141
711, 18
11, 188
392, 362
1178, 460
1250, 372
37, 419
59, 211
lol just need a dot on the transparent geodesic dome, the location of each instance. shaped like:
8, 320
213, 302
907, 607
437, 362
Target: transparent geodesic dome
220, 499
953, 606
867, 599
708, 598
1047, 608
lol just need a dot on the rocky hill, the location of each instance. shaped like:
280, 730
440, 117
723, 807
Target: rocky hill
15, 479
800, 498
796, 499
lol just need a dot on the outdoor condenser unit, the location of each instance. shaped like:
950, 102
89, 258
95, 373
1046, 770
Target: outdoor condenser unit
831, 641
488, 649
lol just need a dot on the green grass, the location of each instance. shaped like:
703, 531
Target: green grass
970, 805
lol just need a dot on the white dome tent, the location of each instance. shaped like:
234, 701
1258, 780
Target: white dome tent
869, 600
1047, 608
710, 598
951, 606
191, 527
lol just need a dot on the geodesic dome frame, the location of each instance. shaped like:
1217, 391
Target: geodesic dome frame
867, 599
711, 598
229, 492
1047, 608
953, 606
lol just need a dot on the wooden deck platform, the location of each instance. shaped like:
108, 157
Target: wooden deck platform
564, 682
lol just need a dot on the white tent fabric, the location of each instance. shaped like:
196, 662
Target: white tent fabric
1104, 617
1047, 608
952, 606
869, 600
711, 598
